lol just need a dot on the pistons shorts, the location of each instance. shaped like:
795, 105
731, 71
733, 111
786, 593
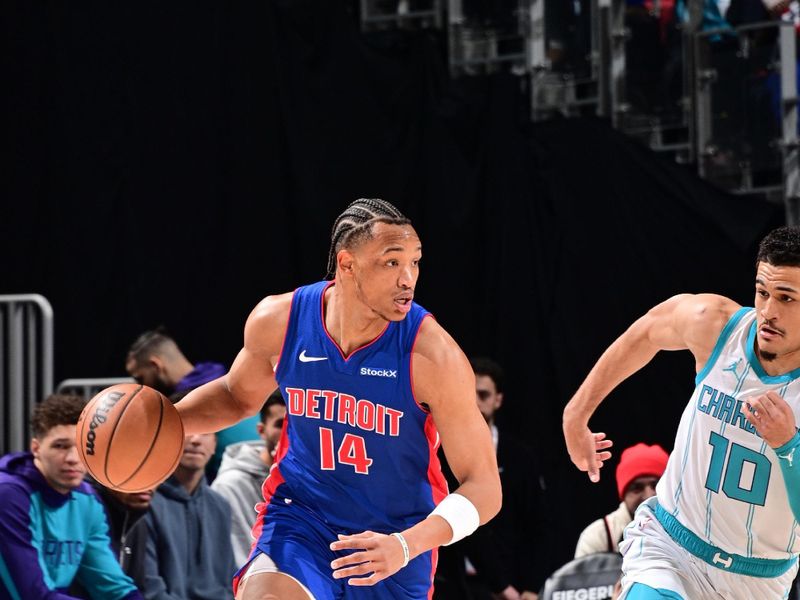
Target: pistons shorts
298, 541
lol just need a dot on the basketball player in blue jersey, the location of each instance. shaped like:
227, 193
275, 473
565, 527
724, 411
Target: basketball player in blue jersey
724, 521
355, 504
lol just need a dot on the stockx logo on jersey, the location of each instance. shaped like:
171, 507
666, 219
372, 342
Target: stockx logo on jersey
373, 372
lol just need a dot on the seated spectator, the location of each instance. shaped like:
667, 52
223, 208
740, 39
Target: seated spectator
189, 555
128, 530
155, 360
53, 529
639, 469
507, 557
244, 467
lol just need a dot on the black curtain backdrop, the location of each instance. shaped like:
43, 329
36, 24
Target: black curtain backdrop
172, 163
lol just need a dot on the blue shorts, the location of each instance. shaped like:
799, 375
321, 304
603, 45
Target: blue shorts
298, 542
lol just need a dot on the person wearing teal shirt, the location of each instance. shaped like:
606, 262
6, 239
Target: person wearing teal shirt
53, 528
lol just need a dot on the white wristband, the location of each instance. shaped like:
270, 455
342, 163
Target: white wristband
460, 514
403, 543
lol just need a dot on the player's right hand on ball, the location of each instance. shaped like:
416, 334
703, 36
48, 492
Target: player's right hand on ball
587, 450
376, 554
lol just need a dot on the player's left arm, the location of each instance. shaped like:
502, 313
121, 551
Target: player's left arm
443, 381
774, 420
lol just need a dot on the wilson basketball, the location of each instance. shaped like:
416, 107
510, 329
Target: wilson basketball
130, 437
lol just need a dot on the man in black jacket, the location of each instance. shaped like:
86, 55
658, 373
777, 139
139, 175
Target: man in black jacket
127, 529
127, 532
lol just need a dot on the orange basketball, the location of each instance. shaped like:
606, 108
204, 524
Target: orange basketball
130, 437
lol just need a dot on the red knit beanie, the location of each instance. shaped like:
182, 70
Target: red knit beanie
638, 461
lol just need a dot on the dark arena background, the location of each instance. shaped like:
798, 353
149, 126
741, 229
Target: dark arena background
173, 163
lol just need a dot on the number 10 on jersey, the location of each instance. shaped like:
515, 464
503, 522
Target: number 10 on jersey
352, 451
732, 481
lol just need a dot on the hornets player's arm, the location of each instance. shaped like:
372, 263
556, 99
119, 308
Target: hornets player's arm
251, 378
774, 420
443, 381
684, 322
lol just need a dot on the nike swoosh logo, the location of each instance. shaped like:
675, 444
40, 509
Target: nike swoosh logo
304, 358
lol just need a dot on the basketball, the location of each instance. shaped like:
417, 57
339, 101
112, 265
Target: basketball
130, 437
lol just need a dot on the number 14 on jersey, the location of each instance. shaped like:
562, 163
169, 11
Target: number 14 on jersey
352, 451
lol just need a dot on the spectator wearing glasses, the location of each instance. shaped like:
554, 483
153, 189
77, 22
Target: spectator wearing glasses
244, 468
638, 472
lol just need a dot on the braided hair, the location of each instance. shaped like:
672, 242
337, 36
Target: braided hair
354, 225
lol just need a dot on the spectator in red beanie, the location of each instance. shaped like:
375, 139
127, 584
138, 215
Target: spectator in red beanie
638, 472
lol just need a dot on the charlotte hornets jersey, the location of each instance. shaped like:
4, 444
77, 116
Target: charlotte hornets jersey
49, 539
722, 481
356, 448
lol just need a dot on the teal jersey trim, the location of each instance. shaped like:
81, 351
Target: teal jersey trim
787, 454
788, 446
641, 591
716, 557
723, 338
758, 369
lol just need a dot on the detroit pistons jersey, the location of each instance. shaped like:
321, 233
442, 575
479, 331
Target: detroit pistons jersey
723, 482
356, 448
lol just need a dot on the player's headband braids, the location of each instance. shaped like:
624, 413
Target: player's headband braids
357, 221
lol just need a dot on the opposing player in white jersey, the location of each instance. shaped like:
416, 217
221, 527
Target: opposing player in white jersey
724, 521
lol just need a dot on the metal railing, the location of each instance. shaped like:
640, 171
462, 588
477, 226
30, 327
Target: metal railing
569, 72
26, 363
479, 45
746, 110
650, 87
383, 14
658, 82
653, 78
87, 388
